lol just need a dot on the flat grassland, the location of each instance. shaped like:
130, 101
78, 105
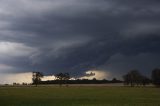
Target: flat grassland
79, 96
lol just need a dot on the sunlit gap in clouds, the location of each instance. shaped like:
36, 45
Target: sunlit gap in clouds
10, 78
47, 78
20, 78
98, 74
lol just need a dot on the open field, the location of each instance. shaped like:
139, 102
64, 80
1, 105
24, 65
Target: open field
79, 96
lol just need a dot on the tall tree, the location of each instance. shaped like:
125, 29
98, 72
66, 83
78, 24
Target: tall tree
36, 77
62, 77
156, 77
133, 78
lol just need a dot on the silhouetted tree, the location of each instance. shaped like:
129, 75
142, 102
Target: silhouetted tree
36, 77
133, 78
156, 77
94, 79
62, 77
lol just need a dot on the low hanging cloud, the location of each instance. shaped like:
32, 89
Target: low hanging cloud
119, 64
73, 36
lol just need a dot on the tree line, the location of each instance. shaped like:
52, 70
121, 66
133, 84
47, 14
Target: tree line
132, 78
135, 78
64, 78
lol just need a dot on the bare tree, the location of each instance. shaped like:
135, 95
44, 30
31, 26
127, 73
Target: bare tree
62, 77
133, 78
36, 77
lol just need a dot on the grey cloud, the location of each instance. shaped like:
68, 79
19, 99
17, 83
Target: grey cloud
145, 62
74, 35
142, 30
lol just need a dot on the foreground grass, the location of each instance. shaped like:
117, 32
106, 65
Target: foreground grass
79, 96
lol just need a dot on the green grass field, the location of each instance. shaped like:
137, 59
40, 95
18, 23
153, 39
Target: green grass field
79, 96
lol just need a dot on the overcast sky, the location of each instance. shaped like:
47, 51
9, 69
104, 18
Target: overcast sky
76, 36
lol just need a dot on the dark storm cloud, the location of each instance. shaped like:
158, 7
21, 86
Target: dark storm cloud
76, 35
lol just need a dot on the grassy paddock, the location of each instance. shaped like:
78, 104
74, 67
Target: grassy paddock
79, 96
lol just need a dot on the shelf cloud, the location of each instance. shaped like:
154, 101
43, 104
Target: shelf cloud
74, 36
